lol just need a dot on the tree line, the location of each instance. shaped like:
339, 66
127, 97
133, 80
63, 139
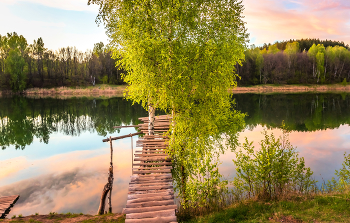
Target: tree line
24, 65
23, 119
278, 64
305, 44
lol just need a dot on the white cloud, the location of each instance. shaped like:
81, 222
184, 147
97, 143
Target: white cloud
55, 34
76, 5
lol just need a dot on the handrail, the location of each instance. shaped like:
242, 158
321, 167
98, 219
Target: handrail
122, 137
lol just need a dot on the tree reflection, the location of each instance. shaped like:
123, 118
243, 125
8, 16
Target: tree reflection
22, 119
300, 112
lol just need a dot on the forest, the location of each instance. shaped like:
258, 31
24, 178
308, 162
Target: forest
24, 65
309, 61
305, 61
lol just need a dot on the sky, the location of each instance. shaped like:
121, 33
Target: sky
63, 23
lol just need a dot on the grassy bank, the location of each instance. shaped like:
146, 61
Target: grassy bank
107, 90
332, 207
67, 218
268, 88
103, 90
318, 208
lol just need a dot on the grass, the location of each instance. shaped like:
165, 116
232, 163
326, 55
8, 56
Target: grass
319, 208
55, 217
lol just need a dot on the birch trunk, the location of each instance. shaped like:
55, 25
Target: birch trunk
151, 118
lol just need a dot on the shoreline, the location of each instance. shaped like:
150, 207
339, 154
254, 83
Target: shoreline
334, 88
109, 91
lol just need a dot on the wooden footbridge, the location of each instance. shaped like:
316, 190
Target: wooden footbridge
6, 203
151, 194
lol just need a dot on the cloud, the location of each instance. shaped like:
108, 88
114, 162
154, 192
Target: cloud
271, 20
76, 5
70, 182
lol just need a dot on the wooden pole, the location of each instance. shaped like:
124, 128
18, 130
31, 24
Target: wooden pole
132, 153
111, 176
121, 137
107, 189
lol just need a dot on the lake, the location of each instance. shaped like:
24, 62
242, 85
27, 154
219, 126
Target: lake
54, 158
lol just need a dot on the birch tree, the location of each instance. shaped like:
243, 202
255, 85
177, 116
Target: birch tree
180, 57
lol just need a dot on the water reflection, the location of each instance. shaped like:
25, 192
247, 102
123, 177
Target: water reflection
61, 163
300, 112
23, 119
67, 182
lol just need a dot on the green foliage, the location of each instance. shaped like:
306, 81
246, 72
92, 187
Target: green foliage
342, 184
180, 57
104, 79
271, 172
317, 55
273, 49
14, 66
292, 48
344, 83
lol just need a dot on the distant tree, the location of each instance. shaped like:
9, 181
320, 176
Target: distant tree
291, 50
273, 49
14, 66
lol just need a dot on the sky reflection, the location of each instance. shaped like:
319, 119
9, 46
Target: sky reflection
69, 173
65, 181
323, 149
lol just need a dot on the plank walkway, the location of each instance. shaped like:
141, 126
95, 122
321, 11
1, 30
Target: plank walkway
6, 203
151, 194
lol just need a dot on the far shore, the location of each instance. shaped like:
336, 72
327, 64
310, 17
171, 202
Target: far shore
109, 91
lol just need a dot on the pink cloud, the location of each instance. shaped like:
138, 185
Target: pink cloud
270, 20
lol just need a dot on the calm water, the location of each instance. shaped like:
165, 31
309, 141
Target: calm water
53, 155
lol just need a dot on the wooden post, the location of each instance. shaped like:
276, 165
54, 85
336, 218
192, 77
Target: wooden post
108, 187
111, 176
132, 154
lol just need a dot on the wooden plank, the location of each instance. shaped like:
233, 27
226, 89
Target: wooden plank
151, 140
152, 214
153, 164
150, 177
152, 155
150, 171
148, 209
152, 182
151, 191
6, 203
149, 183
136, 196
154, 147
150, 151
147, 199
151, 168
150, 204
150, 188
152, 220
164, 158
125, 126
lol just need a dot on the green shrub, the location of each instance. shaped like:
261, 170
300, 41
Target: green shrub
272, 171
344, 83
343, 176
104, 79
